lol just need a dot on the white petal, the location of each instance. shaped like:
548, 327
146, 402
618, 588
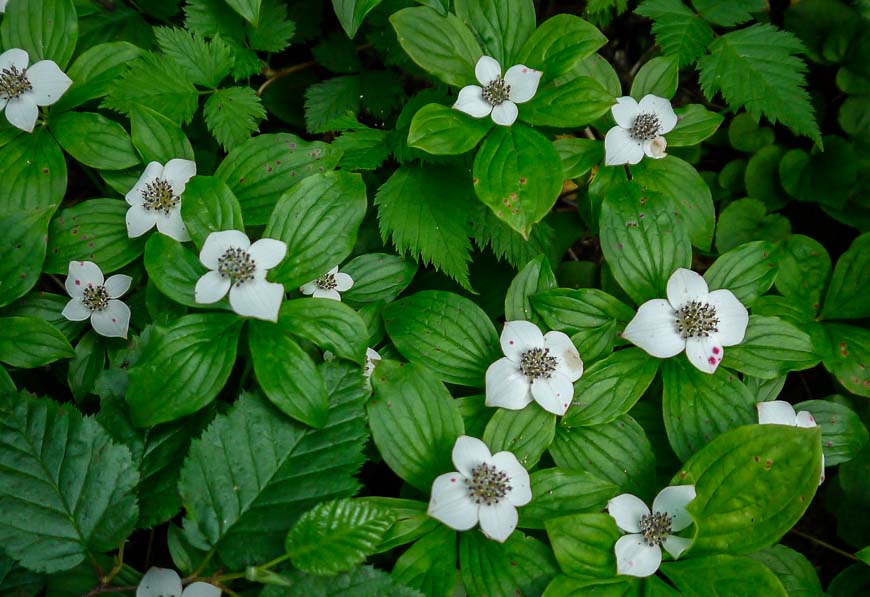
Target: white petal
733, 316
217, 244
333, 271
804, 419
469, 452
625, 111
152, 171
627, 510
257, 298
470, 100
776, 412
523, 81
684, 286
654, 329
372, 357
499, 520
49, 82
139, 220
177, 172
570, 364
553, 393
75, 310
82, 274
661, 108
159, 581
676, 545
656, 148
621, 148
822, 476
268, 252
343, 282
636, 558
705, 353
450, 502
327, 293
506, 386
117, 285
22, 113
505, 114
211, 288
112, 321
674, 500
518, 337
487, 70
521, 488
308, 288
172, 225
14, 57
201, 589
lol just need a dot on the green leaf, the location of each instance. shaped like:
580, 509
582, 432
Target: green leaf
94, 71
66, 491
583, 543
410, 522
537, 276
249, 9
318, 219
559, 44
747, 270
827, 177
32, 172
22, 251
695, 124
578, 155
843, 433
213, 17
30, 342
88, 363
209, 206
744, 220
363, 149
850, 350
744, 134
253, 472
498, 569
794, 571
206, 63
804, 268
734, 13
771, 348
351, 13
756, 68
335, 536
441, 45
414, 422
377, 277
753, 484
526, 433
232, 115
47, 306
659, 76
722, 575
847, 294
677, 29
762, 177
446, 333
156, 137
174, 269
502, 27
287, 375
430, 564
329, 103
567, 103
45, 29
328, 324
619, 586
274, 31
561, 492
363, 580
183, 367
440, 130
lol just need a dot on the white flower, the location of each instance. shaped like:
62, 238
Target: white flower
640, 553
163, 582
329, 285
535, 366
240, 268
499, 95
486, 488
23, 89
3, 6
780, 412
639, 129
371, 356
156, 199
692, 319
94, 298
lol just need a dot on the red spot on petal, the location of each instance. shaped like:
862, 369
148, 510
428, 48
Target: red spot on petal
715, 350
114, 320
510, 341
453, 479
712, 360
78, 282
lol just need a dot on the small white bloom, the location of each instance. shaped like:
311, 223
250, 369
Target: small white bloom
240, 268
23, 89
780, 412
163, 582
486, 488
499, 95
371, 356
156, 199
535, 366
329, 285
94, 298
639, 129
3, 6
640, 553
692, 319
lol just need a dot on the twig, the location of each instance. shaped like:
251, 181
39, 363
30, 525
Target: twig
289, 70
826, 545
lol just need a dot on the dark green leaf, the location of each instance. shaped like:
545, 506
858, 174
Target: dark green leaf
377, 277
32, 172
95, 70
22, 250
328, 324
695, 124
249, 9
526, 433
747, 270
502, 27
206, 63
209, 206
559, 44
721, 575
795, 572
361, 581
578, 155
537, 276
583, 543
734, 13
47, 31
744, 220
843, 433
771, 347
677, 29
440, 130
430, 564
233, 114
31, 342
847, 295
659, 76
156, 137
174, 269
351, 13
846, 359
88, 363
500, 569
274, 31
559, 492
804, 268
567, 103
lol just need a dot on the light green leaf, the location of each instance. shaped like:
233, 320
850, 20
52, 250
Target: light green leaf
274, 31
22, 251
721, 575
174, 270
559, 44
526, 433
497, 569
771, 348
563, 103
32, 172
208, 206
328, 324
440, 130
583, 543
747, 270
537, 276
47, 306
233, 114
377, 277
677, 29
559, 492
619, 586
502, 27
578, 155
45, 29
156, 137
695, 125
249, 9
430, 564
660, 76
94, 71
410, 521
205, 62
30, 342
351, 13
94, 140
847, 295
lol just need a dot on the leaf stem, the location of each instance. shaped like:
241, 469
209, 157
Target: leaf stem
825, 544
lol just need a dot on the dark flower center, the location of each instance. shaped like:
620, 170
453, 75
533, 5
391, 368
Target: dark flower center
646, 127
237, 265
696, 319
537, 362
95, 298
326, 282
496, 92
158, 196
13, 83
487, 484
655, 528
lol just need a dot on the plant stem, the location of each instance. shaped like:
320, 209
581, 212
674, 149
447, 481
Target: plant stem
825, 544
289, 70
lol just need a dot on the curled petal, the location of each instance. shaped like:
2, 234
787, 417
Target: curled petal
117, 285
705, 352
733, 316
327, 293
656, 148
636, 558
505, 114
570, 364
676, 545
523, 82
159, 581
112, 321
654, 329
674, 500
499, 520
776, 412
518, 337
553, 393
506, 386
217, 243
521, 489
625, 111
48, 81
662, 109
268, 252
211, 288
621, 148
22, 113
685, 286
469, 452
487, 70
804, 419
178, 172
627, 511
257, 298
75, 310
470, 100
451, 504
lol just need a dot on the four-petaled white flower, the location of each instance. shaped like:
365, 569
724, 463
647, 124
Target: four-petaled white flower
23, 89
156, 199
692, 319
329, 285
240, 267
485, 488
780, 412
96, 298
640, 553
535, 366
371, 356
499, 95
163, 582
639, 129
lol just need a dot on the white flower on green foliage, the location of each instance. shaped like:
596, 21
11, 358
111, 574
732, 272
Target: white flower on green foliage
780, 412
163, 582
640, 552
499, 95
155, 199
23, 89
536, 366
371, 356
691, 319
639, 129
329, 285
97, 299
240, 268
3, 6
485, 488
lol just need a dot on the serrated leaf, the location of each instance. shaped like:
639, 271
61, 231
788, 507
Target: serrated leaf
730, 14
328, 102
506, 243
32, 172
410, 521
46, 31
677, 29
558, 492
205, 62
363, 148
274, 31
94, 71
233, 114
364, 580
249, 9
30, 342
213, 17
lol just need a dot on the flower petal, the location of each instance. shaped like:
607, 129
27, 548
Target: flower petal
139, 220
343, 282
505, 114
674, 500
470, 100
654, 329
676, 545
112, 321
521, 488
625, 111
621, 148
469, 452
308, 288
570, 364
656, 148
257, 298
662, 109
268, 252
22, 113
49, 82
371, 357
804, 419
487, 70
553, 393
75, 310
201, 589
506, 386
450, 502
518, 337
217, 244
152, 171
177, 172
117, 285
523, 81
636, 558
14, 57
172, 225
705, 352
211, 288
327, 293
685, 286
627, 510
159, 581
82, 274
499, 520
776, 412
733, 316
